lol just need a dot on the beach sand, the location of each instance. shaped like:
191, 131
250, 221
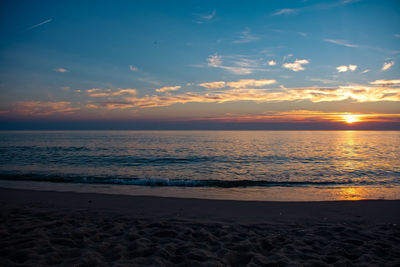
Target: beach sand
85, 229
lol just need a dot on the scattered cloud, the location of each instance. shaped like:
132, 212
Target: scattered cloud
43, 108
246, 83
39, 24
61, 70
110, 105
284, 11
213, 85
324, 81
202, 18
246, 37
317, 6
214, 60
133, 68
386, 82
349, 1
97, 92
271, 63
387, 65
397, 35
341, 42
355, 93
304, 34
297, 65
243, 66
352, 67
167, 89
242, 83
344, 68
287, 57
364, 71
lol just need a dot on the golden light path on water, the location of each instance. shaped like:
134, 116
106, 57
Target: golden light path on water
290, 166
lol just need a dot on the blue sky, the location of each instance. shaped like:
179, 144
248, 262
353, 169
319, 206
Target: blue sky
216, 61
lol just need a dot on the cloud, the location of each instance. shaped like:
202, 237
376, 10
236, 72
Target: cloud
167, 89
352, 67
202, 18
39, 24
213, 85
215, 61
313, 7
354, 93
133, 68
365, 71
287, 57
341, 42
246, 37
246, 83
284, 11
210, 16
42, 108
271, 63
242, 83
324, 81
297, 65
61, 70
305, 116
97, 92
397, 35
237, 64
386, 82
344, 68
387, 65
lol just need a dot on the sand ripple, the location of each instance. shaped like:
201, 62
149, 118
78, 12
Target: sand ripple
33, 237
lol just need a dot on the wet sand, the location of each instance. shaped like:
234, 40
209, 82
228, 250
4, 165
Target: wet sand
85, 229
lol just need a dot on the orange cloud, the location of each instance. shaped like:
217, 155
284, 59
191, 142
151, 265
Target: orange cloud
387, 65
61, 70
213, 85
357, 93
242, 83
167, 89
307, 116
96, 92
43, 108
386, 82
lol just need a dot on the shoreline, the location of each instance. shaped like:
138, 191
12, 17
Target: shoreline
43, 228
387, 211
273, 193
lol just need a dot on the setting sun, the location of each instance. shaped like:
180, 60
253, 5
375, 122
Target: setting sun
351, 118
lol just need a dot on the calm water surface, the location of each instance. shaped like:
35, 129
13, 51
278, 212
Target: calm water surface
267, 165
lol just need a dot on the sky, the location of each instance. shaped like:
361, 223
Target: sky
200, 64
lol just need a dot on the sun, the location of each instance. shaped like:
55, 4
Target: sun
349, 118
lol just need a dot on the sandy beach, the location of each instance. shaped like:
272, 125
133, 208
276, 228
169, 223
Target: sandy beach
84, 229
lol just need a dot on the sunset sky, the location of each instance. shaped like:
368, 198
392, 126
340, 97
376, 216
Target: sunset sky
200, 64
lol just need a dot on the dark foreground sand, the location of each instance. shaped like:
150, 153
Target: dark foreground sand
58, 228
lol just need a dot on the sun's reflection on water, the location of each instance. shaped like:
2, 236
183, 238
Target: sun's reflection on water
352, 193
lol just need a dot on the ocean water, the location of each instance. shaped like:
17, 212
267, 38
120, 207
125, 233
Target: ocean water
250, 165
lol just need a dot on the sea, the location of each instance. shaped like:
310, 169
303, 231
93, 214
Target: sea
235, 165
